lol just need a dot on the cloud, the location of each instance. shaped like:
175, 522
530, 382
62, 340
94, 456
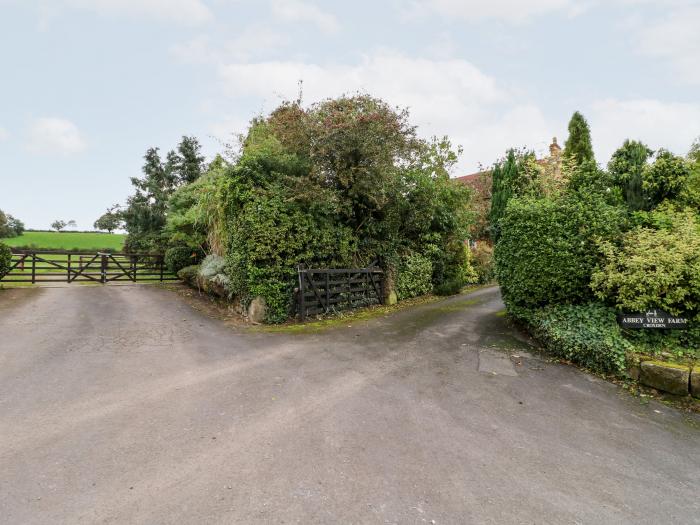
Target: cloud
674, 38
300, 11
251, 43
182, 11
55, 136
445, 96
513, 11
659, 124
4, 134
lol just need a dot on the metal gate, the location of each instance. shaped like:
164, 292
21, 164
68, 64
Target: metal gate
51, 266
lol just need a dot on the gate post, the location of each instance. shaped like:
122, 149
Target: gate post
103, 268
302, 302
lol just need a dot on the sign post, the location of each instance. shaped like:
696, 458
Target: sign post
652, 320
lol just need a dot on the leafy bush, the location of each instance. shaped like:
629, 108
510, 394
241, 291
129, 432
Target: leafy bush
178, 257
484, 263
189, 274
449, 287
5, 259
547, 251
654, 268
414, 277
587, 334
680, 344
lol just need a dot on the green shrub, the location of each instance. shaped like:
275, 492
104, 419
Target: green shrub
547, 250
452, 287
189, 274
5, 259
269, 237
587, 334
654, 268
484, 263
414, 277
178, 257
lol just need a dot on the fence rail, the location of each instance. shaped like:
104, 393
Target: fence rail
329, 289
51, 266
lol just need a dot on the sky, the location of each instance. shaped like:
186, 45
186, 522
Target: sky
86, 86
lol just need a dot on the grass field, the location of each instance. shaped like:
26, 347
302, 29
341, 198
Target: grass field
67, 241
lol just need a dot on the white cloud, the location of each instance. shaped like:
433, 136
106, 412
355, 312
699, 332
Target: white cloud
55, 136
183, 11
514, 11
659, 124
302, 11
449, 96
252, 42
675, 38
4, 134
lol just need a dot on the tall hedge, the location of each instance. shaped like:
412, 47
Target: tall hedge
5, 259
547, 250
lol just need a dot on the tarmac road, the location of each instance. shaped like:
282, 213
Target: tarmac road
125, 405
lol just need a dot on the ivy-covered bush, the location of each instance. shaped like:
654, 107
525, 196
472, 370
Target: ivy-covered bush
587, 334
414, 277
178, 257
5, 259
547, 250
654, 268
344, 183
269, 237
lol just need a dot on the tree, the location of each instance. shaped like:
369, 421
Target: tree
144, 216
15, 225
188, 164
578, 146
59, 225
694, 153
626, 169
4, 227
665, 178
510, 178
111, 220
146, 211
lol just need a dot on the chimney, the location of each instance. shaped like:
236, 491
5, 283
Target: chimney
554, 149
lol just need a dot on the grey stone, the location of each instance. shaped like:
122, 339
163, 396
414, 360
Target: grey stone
668, 377
257, 310
633, 371
695, 382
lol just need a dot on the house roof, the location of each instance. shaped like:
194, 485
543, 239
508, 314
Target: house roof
472, 178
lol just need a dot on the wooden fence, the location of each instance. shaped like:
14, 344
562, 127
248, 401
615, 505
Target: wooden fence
50, 266
327, 290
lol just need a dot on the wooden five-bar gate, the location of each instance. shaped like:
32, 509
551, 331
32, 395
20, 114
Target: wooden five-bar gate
51, 266
326, 290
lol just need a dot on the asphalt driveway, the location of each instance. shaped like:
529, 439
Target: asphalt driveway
125, 405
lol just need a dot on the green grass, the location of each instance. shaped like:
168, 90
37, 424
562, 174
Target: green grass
67, 241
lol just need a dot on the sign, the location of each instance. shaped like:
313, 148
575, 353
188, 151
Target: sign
653, 319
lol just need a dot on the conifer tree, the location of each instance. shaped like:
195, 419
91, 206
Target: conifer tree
626, 169
509, 179
578, 146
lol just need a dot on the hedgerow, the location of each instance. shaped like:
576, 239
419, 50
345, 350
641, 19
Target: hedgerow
628, 237
5, 259
547, 250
